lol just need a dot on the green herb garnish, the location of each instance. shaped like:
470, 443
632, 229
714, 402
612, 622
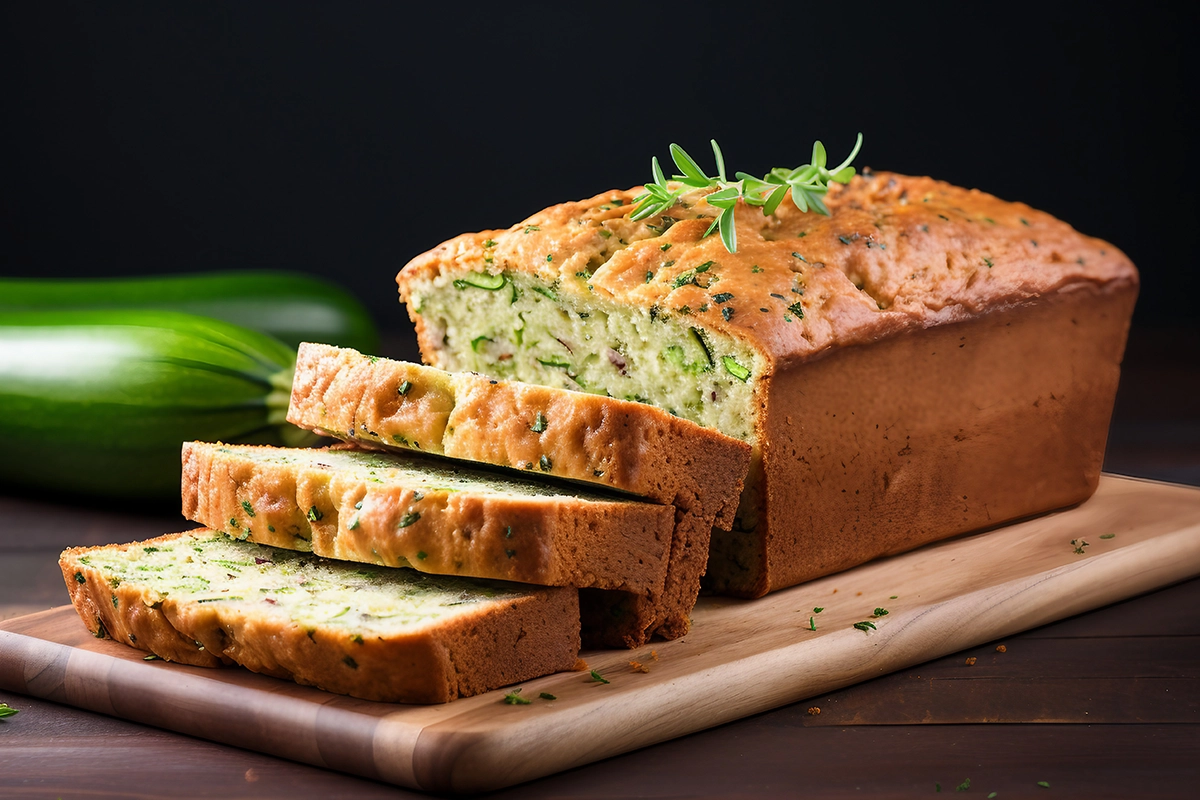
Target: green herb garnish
404, 388
547, 696
862, 626
964, 786
514, 698
314, 514
409, 519
7, 711
539, 423
808, 184
247, 508
596, 676
879, 612
1108, 536
1043, 784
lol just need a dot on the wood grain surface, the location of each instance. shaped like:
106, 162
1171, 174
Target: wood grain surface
742, 657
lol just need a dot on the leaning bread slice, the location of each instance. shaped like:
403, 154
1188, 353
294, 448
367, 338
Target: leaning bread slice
617, 444
394, 635
408, 510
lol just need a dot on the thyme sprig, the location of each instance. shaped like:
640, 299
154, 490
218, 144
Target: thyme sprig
808, 183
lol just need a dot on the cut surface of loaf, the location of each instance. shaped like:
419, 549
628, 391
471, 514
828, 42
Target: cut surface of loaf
407, 510
394, 635
924, 361
631, 447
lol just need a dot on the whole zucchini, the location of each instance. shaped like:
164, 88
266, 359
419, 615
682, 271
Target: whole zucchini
100, 402
290, 306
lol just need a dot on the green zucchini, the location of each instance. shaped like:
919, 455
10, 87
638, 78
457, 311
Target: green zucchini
100, 402
290, 306
481, 280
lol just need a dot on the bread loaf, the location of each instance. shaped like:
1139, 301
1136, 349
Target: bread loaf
925, 361
394, 635
615, 444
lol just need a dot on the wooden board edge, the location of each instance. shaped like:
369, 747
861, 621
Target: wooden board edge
1109, 476
68, 675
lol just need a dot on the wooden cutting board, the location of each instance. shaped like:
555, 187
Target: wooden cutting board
741, 658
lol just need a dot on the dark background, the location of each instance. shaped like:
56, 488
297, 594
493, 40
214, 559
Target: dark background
342, 139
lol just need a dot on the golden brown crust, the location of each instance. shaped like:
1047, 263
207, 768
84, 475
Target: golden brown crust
548, 540
983, 423
896, 253
503, 643
613, 443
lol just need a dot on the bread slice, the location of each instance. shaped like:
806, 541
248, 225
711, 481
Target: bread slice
616, 444
429, 514
924, 361
377, 633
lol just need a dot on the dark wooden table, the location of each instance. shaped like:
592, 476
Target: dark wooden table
1106, 704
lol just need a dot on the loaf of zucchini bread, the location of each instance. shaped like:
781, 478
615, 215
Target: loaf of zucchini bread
924, 361
615, 444
378, 633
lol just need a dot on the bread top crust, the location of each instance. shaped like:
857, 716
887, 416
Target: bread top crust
895, 253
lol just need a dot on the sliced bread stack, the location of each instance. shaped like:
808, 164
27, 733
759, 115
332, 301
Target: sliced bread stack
456, 562
597, 442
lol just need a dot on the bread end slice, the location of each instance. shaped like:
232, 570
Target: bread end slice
391, 635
